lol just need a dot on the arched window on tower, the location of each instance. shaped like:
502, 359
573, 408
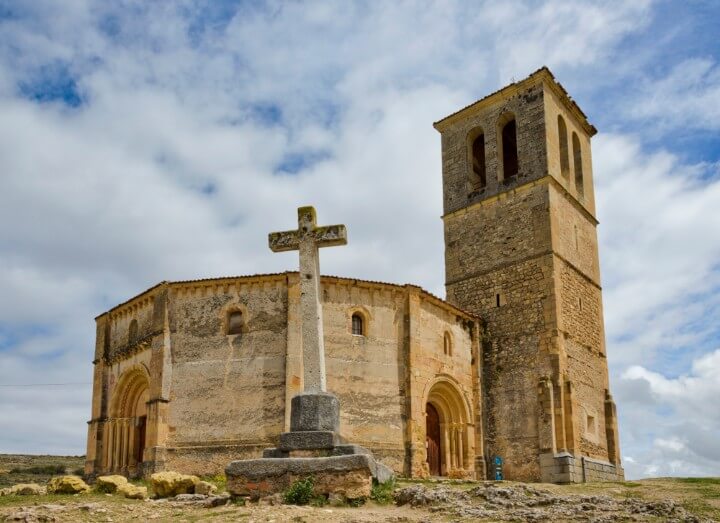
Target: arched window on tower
358, 324
577, 164
508, 137
564, 155
476, 143
235, 322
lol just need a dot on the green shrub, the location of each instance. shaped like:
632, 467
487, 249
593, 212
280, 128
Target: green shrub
52, 470
300, 492
382, 493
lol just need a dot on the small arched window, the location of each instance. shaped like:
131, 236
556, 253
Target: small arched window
133, 331
235, 322
577, 161
447, 344
563, 142
358, 325
508, 137
477, 154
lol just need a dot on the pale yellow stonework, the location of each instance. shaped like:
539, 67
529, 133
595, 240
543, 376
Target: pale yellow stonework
512, 364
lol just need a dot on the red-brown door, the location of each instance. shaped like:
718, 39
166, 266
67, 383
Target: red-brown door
432, 439
140, 448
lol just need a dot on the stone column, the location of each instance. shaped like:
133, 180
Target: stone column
132, 461
461, 453
453, 448
107, 443
112, 447
445, 452
124, 442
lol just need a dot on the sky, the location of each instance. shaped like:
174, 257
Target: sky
150, 141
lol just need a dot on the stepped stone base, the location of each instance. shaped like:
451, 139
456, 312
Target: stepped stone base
313, 448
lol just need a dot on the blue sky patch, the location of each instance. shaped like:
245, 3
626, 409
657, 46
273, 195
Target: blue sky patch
52, 83
293, 163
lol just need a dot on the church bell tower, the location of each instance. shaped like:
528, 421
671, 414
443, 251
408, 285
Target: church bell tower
521, 252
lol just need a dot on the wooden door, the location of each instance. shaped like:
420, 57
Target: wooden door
432, 439
140, 446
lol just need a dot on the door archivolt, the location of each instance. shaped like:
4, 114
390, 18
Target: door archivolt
448, 431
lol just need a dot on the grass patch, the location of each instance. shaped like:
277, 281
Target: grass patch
631, 484
699, 481
382, 493
52, 470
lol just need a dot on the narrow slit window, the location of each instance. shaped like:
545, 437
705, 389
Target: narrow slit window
497, 300
133, 331
577, 164
591, 425
235, 322
478, 161
358, 327
575, 235
509, 150
447, 344
564, 155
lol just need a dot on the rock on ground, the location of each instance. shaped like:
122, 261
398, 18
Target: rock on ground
168, 484
67, 485
131, 491
110, 484
204, 487
23, 489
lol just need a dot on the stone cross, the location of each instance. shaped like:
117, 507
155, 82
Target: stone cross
307, 239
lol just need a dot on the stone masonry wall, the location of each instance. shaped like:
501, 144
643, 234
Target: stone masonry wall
367, 372
227, 390
502, 247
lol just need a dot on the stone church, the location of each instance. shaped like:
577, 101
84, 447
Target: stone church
507, 375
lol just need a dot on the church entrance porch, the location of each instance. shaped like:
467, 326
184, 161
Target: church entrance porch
125, 430
448, 434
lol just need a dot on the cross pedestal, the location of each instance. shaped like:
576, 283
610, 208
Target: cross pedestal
313, 447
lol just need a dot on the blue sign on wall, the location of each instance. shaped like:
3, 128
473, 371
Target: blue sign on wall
498, 462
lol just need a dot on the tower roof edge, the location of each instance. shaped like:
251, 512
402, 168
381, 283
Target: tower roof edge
542, 74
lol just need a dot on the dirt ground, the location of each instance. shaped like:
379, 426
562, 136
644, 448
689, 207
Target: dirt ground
663, 499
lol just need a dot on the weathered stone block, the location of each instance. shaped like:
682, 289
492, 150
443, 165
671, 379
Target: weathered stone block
167, 484
349, 476
110, 484
67, 485
318, 439
316, 411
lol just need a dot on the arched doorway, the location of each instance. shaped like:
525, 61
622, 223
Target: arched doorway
125, 430
432, 439
447, 431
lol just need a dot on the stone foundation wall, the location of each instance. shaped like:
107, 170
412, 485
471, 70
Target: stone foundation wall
566, 468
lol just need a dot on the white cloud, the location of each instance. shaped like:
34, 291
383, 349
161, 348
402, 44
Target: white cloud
674, 427
687, 97
659, 252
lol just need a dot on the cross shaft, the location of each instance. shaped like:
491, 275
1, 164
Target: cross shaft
307, 239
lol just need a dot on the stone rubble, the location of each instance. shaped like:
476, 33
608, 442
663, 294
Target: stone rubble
498, 502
